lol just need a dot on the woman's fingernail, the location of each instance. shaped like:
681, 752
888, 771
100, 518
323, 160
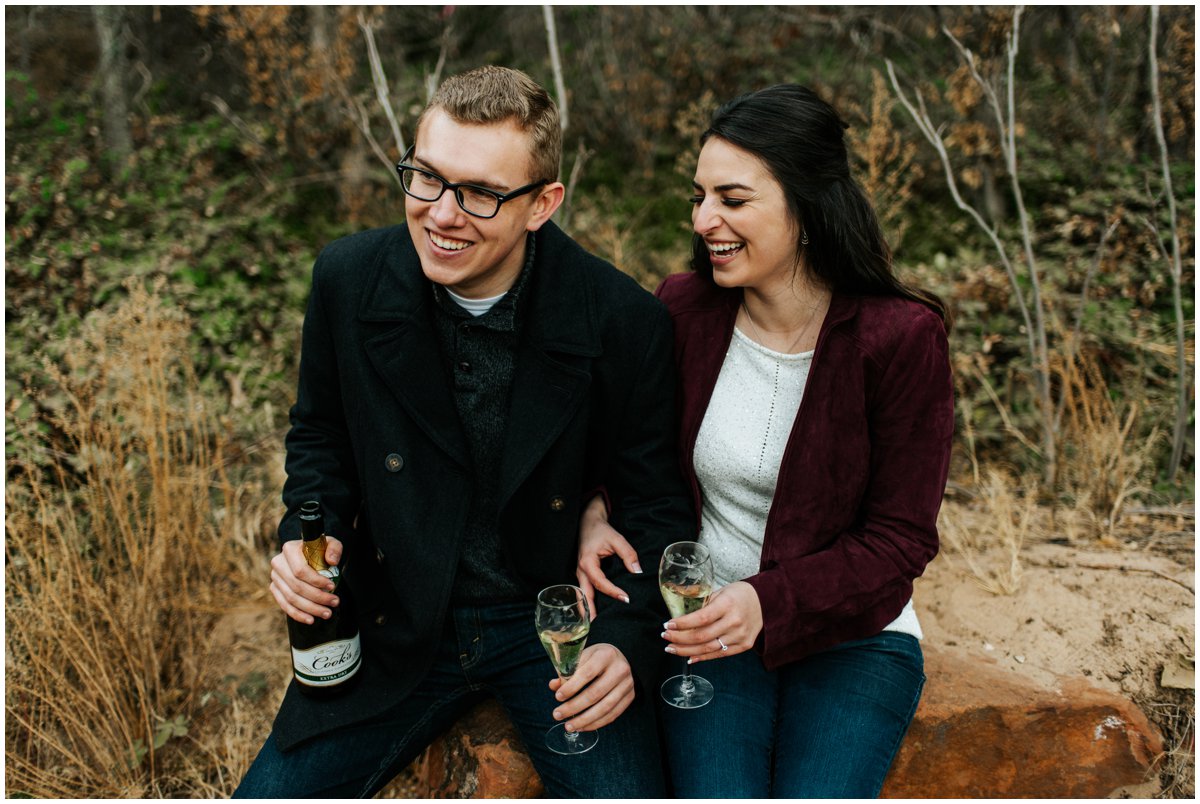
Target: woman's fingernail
637, 568
668, 625
557, 715
625, 598
669, 648
689, 661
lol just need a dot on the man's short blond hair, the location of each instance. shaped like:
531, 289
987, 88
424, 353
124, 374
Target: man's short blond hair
494, 94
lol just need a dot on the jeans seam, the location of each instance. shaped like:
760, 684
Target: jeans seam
912, 711
474, 651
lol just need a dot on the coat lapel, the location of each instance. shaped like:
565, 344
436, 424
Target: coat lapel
405, 352
558, 339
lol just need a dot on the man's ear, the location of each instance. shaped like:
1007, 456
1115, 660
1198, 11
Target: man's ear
546, 204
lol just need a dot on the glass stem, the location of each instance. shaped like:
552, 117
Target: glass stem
572, 737
686, 686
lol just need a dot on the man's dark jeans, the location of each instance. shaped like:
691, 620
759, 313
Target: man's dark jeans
484, 651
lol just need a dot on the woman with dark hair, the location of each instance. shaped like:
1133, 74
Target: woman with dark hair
816, 414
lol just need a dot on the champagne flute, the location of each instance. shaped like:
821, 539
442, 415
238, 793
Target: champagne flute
563, 621
685, 578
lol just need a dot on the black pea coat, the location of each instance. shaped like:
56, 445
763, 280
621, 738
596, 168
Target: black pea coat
375, 438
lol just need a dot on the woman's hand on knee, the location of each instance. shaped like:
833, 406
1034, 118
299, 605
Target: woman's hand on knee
727, 625
599, 540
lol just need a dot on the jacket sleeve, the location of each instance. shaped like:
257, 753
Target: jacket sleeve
911, 423
320, 460
650, 506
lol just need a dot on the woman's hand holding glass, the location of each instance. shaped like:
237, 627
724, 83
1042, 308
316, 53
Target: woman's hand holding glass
727, 625
733, 614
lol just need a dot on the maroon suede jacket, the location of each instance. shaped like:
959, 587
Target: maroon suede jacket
853, 520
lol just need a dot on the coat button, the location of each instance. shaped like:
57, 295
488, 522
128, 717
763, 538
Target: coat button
393, 462
557, 504
381, 619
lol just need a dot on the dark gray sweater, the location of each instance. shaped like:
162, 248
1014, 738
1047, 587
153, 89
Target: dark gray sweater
478, 352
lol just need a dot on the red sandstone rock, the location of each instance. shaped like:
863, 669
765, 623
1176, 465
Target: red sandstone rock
480, 757
980, 732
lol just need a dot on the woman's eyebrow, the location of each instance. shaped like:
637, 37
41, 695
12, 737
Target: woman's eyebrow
723, 188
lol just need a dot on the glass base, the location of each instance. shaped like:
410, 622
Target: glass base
687, 692
561, 741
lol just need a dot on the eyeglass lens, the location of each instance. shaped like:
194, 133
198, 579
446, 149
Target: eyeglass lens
429, 187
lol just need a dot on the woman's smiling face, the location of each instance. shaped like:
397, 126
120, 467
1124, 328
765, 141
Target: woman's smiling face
740, 211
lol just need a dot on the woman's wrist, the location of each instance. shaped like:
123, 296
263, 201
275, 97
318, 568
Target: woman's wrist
596, 509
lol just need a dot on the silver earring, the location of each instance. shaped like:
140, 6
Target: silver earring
803, 238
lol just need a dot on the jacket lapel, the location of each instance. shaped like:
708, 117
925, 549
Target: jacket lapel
558, 338
700, 353
405, 352
702, 348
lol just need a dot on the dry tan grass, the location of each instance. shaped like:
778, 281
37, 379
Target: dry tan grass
1174, 712
116, 562
987, 536
1105, 463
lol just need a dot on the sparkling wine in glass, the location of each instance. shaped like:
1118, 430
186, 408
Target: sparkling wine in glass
685, 578
563, 621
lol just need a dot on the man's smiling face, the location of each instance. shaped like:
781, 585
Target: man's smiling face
474, 257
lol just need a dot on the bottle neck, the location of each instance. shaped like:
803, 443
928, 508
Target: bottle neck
314, 552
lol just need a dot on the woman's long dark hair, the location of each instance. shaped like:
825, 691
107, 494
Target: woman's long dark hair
799, 137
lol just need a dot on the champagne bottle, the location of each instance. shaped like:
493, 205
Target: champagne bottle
326, 655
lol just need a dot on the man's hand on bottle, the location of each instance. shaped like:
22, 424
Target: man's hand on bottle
302, 592
601, 689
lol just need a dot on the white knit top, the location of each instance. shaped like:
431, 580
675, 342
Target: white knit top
738, 453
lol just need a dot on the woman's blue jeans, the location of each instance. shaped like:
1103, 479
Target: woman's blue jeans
484, 651
827, 726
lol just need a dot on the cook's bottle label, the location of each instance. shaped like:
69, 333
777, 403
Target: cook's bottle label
327, 664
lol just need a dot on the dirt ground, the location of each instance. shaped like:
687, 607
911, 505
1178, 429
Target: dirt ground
1120, 612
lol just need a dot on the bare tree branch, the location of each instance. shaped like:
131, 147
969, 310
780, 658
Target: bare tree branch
581, 157
381, 84
434, 79
934, 136
1035, 327
1006, 124
560, 87
362, 118
237, 122
1181, 414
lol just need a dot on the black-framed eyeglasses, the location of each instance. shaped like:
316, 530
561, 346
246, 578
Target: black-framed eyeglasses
481, 202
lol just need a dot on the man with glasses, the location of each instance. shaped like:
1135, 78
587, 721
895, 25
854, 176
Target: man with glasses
466, 381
